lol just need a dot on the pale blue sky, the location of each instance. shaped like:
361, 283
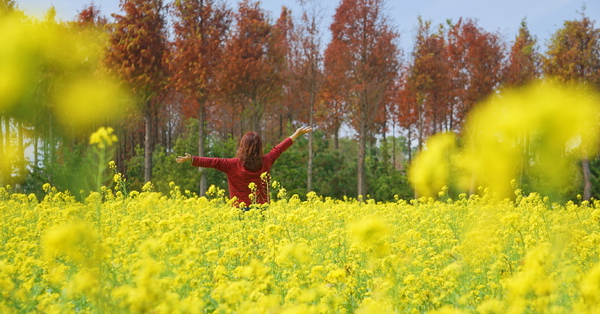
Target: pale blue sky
544, 17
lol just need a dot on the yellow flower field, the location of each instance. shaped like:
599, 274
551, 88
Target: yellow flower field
179, 253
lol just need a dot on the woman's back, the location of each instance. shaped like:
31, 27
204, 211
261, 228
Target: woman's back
239, 178
248, 167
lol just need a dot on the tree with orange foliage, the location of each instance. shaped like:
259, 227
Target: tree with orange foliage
476, 67
90, 16
250, 77
524, 60
307, 68
200, 32
428, 77
406, 113
363, 52
573, 53
573, 56
332, 113
284, 105
138, 46
334, 93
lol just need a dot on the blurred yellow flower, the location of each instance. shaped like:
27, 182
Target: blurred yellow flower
81, 90
431, 170
76, 241
85, 282
90, 100
590, 286
371, 234
551, 124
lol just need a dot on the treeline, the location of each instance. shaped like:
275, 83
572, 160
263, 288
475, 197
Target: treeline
201, 74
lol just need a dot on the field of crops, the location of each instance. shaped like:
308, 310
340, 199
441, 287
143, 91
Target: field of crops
178, 253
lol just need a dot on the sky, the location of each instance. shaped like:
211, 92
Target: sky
543, 17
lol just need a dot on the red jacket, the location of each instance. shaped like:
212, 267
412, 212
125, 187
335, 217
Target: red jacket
239, 178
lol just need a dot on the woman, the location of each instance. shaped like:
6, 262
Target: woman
247, 167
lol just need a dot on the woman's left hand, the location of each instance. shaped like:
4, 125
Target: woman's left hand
185, 158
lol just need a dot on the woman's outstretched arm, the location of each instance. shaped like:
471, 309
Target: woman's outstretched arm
300, 131
221, 164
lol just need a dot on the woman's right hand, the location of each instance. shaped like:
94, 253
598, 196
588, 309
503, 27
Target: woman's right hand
185, 158
300, 131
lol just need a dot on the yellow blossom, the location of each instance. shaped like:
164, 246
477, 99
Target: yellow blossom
149, 252
103, 137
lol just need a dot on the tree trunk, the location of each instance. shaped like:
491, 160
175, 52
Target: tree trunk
148, 142
394, 144
420, 128
524, 160
121, 144
384, 129
408, 143
362, 144
155, 129
451, 123
310, 145
35, 149
169, 136
336, 134
48, 160
280, 125
201, 137
587, 179
46, 145
255, 115
21, 150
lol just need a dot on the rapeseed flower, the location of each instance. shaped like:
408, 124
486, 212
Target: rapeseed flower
76, 241
103, 137
149, 252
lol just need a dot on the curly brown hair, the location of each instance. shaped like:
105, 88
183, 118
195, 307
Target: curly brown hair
250, 151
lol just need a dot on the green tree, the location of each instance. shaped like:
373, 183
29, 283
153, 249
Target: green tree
524, 61
335, 168
429, 80
476, 64
386, 181
250, 77
183, 175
